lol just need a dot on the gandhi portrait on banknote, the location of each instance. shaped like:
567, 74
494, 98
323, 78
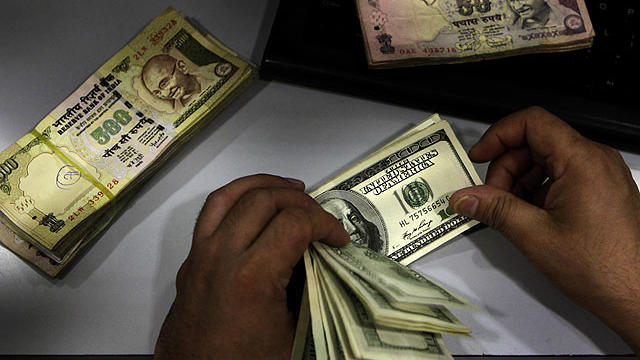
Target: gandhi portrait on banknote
539, 13
359, 217
168, 78
173, 79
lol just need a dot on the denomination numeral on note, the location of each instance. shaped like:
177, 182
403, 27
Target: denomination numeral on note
415, 194
399, 198
111, 127
122, 117
6, 168
445, 213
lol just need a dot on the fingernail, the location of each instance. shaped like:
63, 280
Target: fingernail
295, 181
466, 205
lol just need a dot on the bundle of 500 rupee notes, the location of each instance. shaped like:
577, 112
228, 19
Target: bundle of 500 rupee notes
65, 181
62, 184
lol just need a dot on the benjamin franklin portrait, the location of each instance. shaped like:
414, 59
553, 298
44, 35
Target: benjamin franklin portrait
359, 218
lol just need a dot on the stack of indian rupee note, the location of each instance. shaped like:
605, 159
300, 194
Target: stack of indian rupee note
361, 301
417, 32
65, 181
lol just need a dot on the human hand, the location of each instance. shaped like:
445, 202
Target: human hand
581, 227
231, 300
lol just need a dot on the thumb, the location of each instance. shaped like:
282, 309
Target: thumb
515, 218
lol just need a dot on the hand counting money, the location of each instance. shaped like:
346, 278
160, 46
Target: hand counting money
396, 200
360, 301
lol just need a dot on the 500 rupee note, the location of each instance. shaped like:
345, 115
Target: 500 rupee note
114, 131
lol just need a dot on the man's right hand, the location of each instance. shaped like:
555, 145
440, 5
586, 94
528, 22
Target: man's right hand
570, 205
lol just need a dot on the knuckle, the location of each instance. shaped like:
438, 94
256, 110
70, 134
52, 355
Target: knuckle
220, 197
229, 225
537, 110
259, 178
543, 119
245, 277
305, 200
298, 215
212, 196
256, 197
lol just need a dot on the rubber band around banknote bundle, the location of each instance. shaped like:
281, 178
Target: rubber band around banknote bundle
65, 158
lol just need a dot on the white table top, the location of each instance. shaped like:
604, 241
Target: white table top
114, 299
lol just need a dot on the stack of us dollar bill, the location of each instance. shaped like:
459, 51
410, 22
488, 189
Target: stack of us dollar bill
64, 182
415, 32
361, 301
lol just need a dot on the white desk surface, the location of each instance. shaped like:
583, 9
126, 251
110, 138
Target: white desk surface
115, 298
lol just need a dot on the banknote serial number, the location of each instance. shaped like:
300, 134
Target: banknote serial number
112, 184
96, 198
92, 200
157, 36
140, 53
429, 50
426, 210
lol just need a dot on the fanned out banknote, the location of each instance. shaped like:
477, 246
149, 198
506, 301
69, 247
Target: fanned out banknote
416, 32
64, 182
360, 301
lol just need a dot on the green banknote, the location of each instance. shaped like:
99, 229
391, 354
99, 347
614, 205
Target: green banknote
359, 335
396, 201
113, 132
362, 302
389, 297
354, 317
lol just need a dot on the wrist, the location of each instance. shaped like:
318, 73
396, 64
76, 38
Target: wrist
620, 310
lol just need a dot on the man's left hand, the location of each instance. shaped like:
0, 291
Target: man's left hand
231, 300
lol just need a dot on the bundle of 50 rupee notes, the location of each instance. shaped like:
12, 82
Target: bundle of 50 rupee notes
63, 183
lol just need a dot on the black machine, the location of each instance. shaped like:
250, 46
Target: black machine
319, 43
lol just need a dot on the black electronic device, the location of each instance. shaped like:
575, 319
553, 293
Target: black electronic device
319, 43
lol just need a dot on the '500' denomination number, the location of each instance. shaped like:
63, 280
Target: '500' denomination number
111, 127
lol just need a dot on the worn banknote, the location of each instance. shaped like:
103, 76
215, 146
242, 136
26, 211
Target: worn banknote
396, 201
412, 32
360, 301
363, 337
111, 134
349, 316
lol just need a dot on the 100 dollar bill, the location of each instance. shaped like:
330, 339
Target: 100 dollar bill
396, 201
409, 32
395, 206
